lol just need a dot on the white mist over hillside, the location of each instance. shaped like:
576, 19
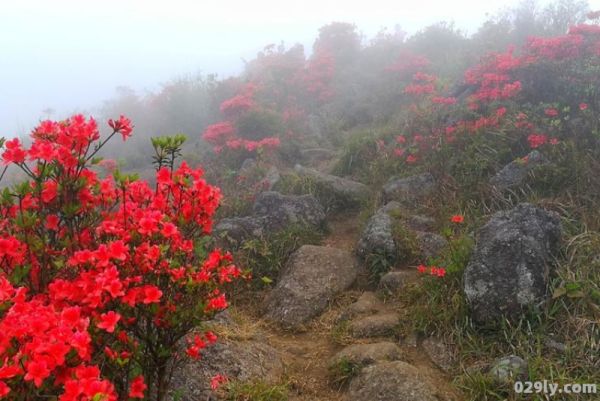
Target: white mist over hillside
64, 56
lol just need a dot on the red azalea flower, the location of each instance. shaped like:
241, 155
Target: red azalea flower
4, 389
37, 371
457, 218
216, 381
583, 106
52, 221
137, 387
108, 321
151, 295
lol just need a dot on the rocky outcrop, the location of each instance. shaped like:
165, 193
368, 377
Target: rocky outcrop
308, 283
243, 361
409, 190
281, 211
515, 172
391, 381
347, 193
273, 212
511, 264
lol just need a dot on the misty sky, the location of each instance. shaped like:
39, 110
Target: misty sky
70, 55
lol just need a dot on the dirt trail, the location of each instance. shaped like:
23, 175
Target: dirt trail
307, 354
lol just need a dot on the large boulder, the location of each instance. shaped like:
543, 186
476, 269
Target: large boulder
511, 264
237, 229
392, 381
515, 172
243, 361
409, 190
281, 211
308, 283
273, 212
345, 192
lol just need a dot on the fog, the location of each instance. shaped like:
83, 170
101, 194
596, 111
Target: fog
64, 56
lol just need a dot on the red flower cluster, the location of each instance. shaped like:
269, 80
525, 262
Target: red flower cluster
224, 134
457, 219
97, 272
433, 270
240, 103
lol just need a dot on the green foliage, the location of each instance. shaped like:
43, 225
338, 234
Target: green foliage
258, 124
363, 160
167, 149
343, 371
255, 391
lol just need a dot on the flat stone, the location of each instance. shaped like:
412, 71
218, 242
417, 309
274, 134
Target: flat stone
380, 325
367, 354
367, 303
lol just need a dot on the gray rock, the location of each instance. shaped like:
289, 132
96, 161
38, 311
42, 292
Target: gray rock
317, 154
439, 353
556, 346
237, 229
367, 303
515, 172
394, 281
508, 369
377, 238
346, 192
248, 164
308, 283
271, 178
392, 207
391, 381
420, 223
409, 190
244, 361
511, 264
367, 354
381, 325
282, 210
430, 244
272, 212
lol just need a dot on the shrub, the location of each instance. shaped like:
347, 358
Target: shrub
102, 278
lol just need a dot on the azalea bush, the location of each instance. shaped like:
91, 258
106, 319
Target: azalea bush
103, 278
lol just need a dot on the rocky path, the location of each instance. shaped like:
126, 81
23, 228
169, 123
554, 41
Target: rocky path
324, 331
356, 327
359, 328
